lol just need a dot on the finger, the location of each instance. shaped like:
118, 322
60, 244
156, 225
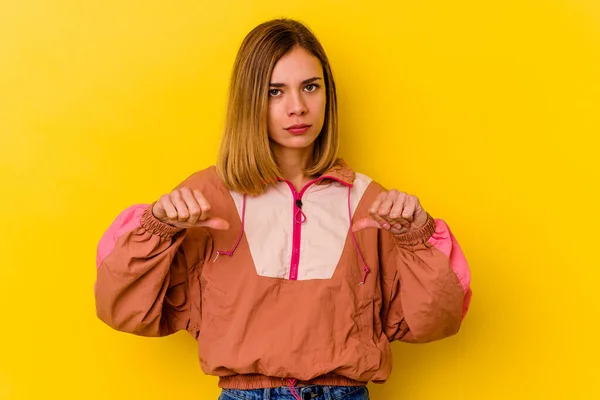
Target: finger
378, 200
203, 203
398, 229
214, 223
191, 204
409, 208
398, 221
399, 205
418, 207
182, 211
365, 223
375, 206
388, 202
396, 226
168, 206
383, 222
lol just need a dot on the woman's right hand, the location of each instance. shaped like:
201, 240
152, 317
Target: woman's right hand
186, 208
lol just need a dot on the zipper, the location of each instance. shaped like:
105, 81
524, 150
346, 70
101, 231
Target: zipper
297, 231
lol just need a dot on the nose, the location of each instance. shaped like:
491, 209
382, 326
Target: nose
296, 105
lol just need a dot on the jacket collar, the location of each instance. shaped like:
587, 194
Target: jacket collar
340, 172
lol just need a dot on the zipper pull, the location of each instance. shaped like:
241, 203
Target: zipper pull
299, 217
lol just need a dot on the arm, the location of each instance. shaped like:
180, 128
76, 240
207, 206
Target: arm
142, 284
425, 283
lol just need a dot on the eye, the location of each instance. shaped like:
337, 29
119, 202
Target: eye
274, 92
311, 87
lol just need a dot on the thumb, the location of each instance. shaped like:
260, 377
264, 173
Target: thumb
214, 223
365, 223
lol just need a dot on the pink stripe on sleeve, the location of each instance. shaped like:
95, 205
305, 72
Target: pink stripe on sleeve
127, 221
444, 241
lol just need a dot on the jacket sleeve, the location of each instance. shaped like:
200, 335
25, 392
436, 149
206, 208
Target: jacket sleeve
425, 283
143, 283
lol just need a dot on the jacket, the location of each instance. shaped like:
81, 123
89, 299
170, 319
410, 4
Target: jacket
289, 291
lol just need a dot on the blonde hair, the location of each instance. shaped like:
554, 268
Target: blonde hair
245, 161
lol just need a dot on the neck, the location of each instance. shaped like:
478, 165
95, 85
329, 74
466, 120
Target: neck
292, 163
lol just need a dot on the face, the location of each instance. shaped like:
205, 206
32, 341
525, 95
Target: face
297, 99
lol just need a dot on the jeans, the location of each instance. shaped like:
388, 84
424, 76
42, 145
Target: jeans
306, 393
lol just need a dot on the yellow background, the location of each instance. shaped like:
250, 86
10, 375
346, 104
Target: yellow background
489, 111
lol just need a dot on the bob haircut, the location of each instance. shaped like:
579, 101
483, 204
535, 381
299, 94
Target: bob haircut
245, 161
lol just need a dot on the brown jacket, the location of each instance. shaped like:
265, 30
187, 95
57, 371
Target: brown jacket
293, 293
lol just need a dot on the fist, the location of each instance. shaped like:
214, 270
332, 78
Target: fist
186, 208
394, 211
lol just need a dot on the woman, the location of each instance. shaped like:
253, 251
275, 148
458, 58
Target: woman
267, 259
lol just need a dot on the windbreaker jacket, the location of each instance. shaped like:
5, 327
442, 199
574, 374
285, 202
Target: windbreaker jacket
288, 292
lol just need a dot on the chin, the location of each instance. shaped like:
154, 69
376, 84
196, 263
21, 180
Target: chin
300, 142
297, 142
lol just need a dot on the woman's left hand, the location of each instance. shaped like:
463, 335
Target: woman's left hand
394, 211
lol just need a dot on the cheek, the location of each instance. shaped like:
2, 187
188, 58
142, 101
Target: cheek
321, 104
322, 100
272, 116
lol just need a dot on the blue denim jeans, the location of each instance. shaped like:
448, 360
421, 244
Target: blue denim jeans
306, 393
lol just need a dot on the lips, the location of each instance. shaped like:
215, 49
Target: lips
298, 128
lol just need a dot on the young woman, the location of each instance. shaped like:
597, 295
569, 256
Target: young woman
292, 271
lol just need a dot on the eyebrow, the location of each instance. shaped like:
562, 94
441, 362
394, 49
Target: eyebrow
304, 82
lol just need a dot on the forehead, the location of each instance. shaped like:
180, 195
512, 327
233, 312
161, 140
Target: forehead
297, 65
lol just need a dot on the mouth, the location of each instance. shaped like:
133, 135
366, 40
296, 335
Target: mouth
298, 128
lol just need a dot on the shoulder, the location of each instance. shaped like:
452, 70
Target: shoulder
206, 181
366, 189
203, 179
367, 185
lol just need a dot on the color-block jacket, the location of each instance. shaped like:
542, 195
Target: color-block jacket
288, 291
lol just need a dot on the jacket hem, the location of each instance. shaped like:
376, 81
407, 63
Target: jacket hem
257, 381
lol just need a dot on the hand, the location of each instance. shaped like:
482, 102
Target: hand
186, 208
394, 211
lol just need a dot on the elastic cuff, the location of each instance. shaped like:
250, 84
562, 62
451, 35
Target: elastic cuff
153, 225
419, 236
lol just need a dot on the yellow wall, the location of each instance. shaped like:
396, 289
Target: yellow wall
488, 110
